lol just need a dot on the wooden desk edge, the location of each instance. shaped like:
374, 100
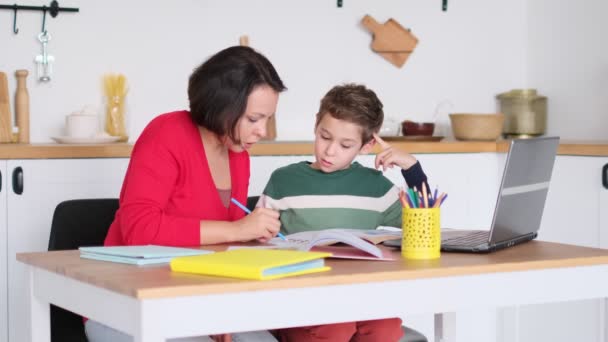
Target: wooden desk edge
326, 278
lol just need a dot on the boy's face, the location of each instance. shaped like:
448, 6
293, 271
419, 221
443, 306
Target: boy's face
337, 143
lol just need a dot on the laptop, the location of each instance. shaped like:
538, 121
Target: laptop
520, 204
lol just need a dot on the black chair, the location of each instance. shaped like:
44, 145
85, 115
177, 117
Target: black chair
76, 223
410, 335
252, 201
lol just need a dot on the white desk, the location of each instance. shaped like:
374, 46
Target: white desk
152, 303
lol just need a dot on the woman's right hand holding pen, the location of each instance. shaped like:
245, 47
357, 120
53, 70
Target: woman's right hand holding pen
262, 224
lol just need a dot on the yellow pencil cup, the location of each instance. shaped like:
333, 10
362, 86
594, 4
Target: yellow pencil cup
421, 233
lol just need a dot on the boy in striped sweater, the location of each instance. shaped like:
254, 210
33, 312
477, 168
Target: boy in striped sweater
335, 192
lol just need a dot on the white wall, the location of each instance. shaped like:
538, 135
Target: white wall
567, 60
467, 54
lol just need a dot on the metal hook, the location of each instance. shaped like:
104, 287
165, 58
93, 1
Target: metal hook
44, 9
15, 29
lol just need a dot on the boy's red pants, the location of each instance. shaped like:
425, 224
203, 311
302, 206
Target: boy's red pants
385, 330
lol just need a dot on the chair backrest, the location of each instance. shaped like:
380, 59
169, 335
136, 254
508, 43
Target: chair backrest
252, 201
76, 223
81, 222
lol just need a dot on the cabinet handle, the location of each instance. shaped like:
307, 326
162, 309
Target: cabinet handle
605, 176
0, 181
18, 180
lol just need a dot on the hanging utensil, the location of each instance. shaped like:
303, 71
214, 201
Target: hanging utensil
44, 61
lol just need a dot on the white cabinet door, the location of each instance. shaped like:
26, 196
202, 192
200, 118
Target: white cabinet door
3, 253
46, 183
573, 215
572, 209
604, 204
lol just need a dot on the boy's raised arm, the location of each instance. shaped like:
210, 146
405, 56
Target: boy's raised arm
389, 156
410, 167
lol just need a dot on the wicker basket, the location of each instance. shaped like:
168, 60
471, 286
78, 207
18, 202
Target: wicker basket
477, 126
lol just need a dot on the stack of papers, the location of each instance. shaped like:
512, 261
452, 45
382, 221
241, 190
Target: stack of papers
138, 255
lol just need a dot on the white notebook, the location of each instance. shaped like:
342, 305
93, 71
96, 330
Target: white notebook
138, 255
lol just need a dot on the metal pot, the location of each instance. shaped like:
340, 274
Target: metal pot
525, 113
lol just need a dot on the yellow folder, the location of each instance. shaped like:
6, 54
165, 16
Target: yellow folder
247, 263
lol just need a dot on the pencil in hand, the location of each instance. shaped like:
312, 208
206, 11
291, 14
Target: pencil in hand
245, 209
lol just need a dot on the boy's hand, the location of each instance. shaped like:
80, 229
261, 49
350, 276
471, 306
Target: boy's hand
390, 157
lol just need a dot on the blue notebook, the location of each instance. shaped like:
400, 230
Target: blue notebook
138, 255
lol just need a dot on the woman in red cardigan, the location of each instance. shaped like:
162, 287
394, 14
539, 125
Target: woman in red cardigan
186, 165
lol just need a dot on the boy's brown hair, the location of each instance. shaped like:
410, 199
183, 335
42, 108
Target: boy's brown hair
356, 104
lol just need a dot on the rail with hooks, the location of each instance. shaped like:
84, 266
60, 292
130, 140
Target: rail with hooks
444, 4
53, 9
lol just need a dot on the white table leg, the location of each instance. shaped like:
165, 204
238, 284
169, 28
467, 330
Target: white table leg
479, 325
445, 327
603, 320
40, 324
507, 324
148, 329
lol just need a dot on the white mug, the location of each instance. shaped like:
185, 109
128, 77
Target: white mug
81, 125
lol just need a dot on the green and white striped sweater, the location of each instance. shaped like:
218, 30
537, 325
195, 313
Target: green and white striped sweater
358, 197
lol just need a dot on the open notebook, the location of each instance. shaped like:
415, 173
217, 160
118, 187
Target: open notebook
356, 243
138, 255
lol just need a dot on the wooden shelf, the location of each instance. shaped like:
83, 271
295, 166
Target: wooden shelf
284, 148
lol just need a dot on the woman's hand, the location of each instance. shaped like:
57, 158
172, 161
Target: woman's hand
262, 224
390, 157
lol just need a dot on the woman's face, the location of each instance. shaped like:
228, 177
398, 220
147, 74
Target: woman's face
251, 127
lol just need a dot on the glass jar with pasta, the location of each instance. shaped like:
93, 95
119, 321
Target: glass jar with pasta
115, 95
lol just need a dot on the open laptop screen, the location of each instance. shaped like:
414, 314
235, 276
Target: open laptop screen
524, 187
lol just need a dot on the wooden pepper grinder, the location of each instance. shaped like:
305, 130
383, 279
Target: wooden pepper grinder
271, 124
22, 107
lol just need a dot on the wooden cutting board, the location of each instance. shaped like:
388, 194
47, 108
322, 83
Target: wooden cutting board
396, 58
6, 128
390, 36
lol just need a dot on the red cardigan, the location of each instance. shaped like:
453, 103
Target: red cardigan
168, 188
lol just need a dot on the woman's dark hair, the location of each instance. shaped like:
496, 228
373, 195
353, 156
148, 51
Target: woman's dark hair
218, 89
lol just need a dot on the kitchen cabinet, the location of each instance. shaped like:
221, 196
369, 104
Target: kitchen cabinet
46, 182
575, 213
3, 254
572, 211
603, 205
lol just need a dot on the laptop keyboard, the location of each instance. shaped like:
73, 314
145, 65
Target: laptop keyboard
473, 239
